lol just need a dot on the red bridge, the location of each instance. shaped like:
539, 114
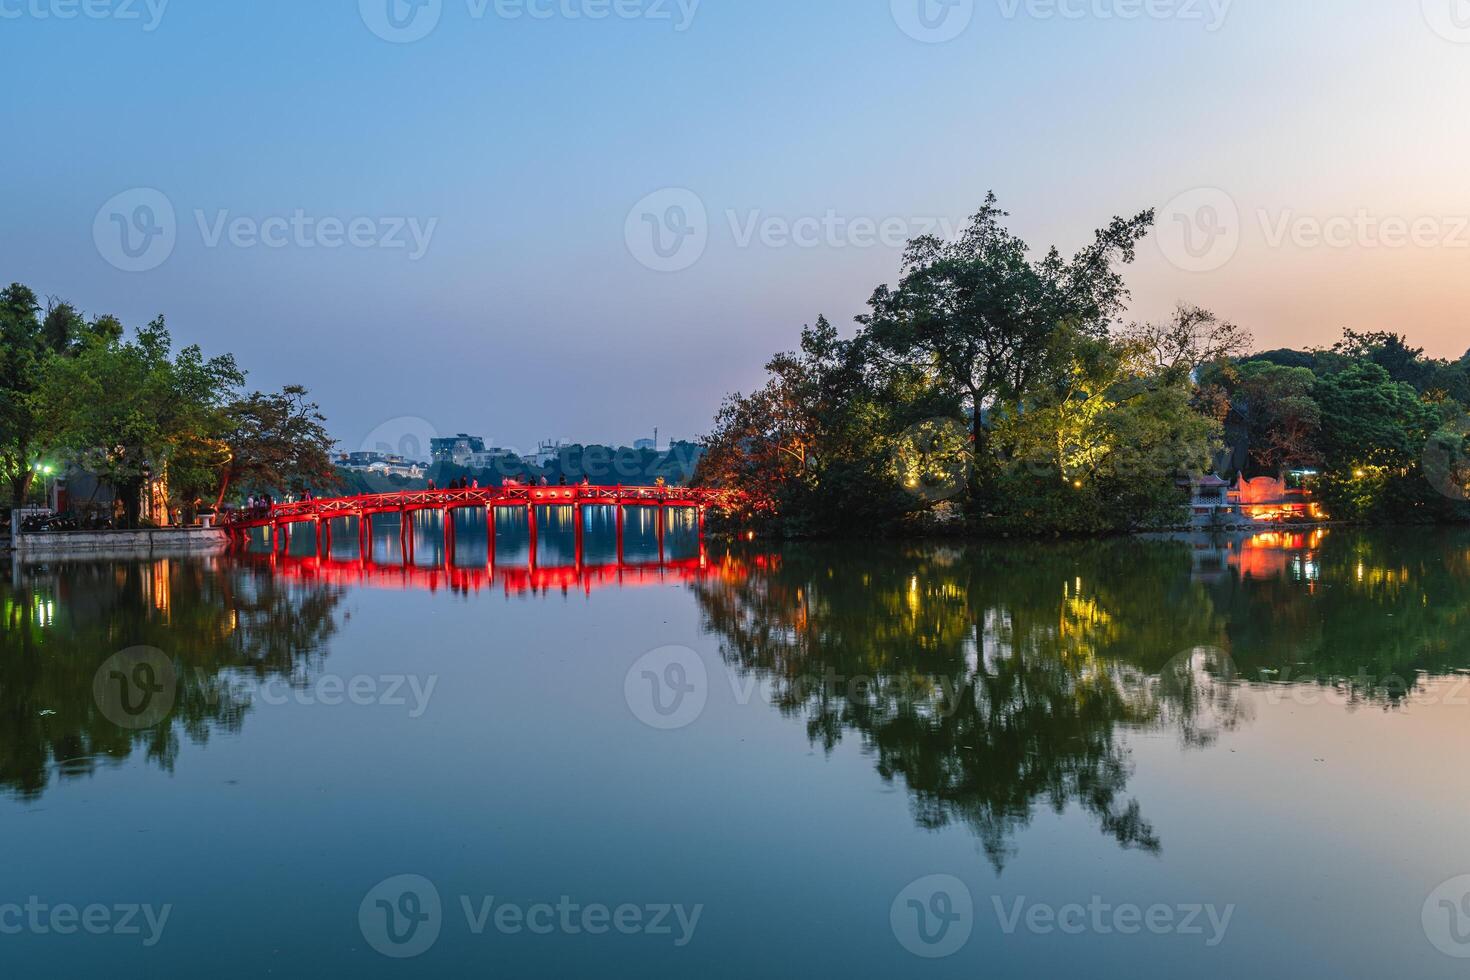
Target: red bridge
321, 514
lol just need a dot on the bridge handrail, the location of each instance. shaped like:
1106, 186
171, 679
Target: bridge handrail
481, 497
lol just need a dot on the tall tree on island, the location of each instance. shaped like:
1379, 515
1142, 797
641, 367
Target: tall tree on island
985, 316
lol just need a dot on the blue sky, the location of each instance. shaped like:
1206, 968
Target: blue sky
1306, 132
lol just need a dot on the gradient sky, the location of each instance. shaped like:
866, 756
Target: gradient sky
531, 140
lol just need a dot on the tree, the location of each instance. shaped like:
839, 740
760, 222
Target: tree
983, 316
1389, 351
1282, 417
821, 448
30, 342
131, 410
766, 442
1194, 338
1102, 450
276, 441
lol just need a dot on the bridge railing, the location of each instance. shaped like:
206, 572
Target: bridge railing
513, 496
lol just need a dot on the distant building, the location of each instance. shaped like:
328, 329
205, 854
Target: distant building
457, 450
646, 444
382, 464
486, 460
549, 452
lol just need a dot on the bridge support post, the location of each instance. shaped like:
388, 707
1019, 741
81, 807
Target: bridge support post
700, 512
276, 538
449, 537
531, 517
618, 508
319, 537
490, 537
580, 535
659, 526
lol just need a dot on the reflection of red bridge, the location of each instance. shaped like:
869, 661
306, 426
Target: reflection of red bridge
515, 581
361, 510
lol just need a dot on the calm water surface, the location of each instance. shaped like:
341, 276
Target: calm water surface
1131, 758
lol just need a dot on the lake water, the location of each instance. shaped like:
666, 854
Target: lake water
1210, 758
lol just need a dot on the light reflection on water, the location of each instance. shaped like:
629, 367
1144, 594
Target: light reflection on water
1054, 714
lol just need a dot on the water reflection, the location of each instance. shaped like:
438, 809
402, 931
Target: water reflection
989, 681
216, 619
994, 680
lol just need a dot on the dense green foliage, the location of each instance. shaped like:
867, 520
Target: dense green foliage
999, 393
128, 410
1384, 425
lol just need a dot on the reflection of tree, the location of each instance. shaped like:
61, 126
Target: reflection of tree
990, 680
1371, 610
219, 624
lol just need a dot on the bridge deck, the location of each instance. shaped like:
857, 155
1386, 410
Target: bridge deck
412, 501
